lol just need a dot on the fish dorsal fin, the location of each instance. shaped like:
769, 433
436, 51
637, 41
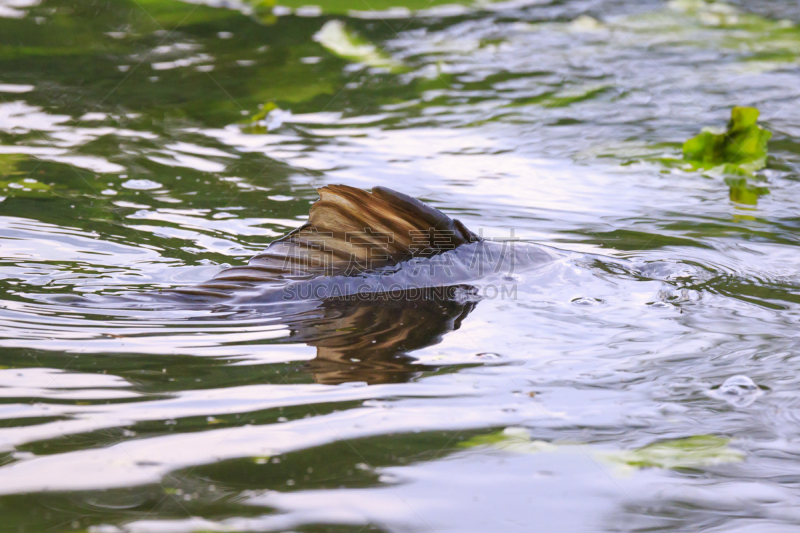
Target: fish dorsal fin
349, 231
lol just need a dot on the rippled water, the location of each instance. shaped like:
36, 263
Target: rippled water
133, 157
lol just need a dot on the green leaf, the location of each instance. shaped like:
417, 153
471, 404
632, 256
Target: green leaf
741, 149
690, 452
342, 42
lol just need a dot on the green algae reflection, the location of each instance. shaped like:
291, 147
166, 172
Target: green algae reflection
690, 452
341, 41
14, 182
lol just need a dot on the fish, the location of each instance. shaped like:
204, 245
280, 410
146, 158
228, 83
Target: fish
367, 244
371, 277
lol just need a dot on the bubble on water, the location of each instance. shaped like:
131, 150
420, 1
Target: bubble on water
739, 391
738, 385
142, 185
586, 301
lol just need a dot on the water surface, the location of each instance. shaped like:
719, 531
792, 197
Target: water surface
149, 144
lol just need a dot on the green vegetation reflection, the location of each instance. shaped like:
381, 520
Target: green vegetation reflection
690, 452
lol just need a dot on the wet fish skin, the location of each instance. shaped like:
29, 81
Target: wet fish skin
436, 277
357, 242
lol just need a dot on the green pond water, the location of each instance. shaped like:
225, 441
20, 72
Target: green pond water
648, 381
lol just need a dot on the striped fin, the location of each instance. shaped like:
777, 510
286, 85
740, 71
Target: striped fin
349, 231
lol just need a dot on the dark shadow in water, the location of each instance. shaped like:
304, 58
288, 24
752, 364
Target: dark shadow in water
363, 338
369, 341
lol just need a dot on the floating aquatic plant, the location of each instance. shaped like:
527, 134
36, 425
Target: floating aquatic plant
689, 452
740, 149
